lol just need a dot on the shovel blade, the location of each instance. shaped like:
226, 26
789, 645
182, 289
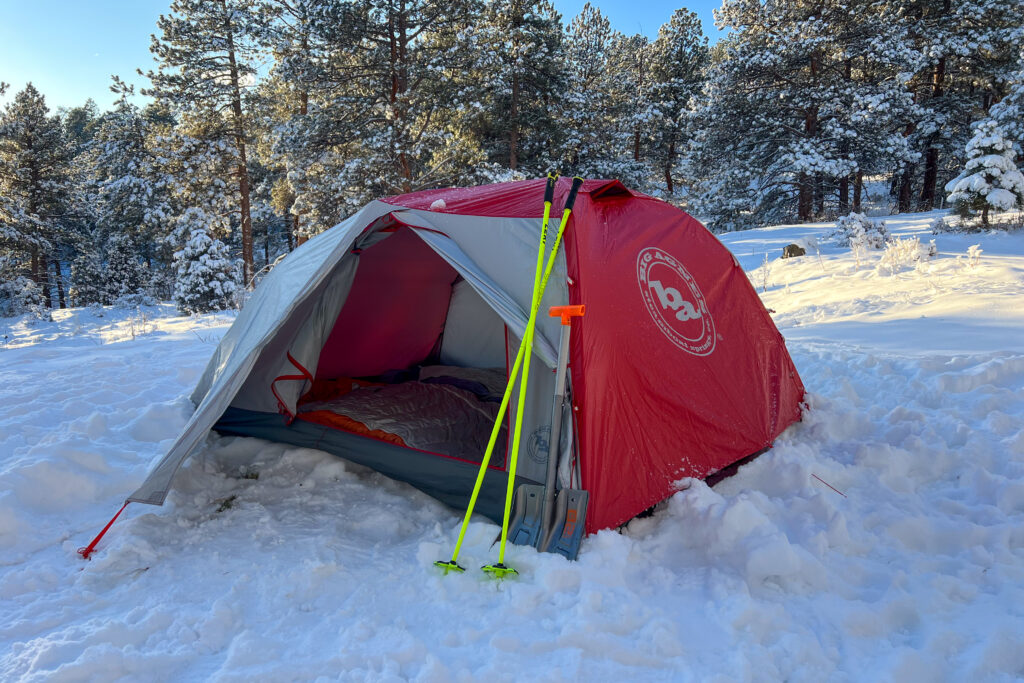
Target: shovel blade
567, 530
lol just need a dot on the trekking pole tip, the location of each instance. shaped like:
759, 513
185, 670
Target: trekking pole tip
449, 566
499, 571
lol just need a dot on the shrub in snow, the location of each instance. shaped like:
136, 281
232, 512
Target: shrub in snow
857, 231
990, 181
136, 300
206, 276
901, 254
20, 295
974, 255
941, 225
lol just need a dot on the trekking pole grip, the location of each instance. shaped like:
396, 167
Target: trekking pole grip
549, 189
576, 183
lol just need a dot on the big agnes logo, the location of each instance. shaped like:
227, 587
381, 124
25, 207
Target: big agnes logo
675, 302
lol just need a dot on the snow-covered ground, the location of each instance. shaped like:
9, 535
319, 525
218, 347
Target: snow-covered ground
321, 569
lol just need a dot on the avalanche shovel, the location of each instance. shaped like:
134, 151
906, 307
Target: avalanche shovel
548, 521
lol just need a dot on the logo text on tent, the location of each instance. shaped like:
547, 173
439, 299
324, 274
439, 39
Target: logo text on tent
675, 302
671, 298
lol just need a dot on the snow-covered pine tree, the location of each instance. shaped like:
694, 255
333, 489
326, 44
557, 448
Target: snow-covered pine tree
965, 52
206, 61
679, 61
206, 278
990, 181
799, 99
87, 274
629, 57
287, 29
131, 193
1009, 111
126, 274
34, 182
80, 124
593, 144
387, 117
516, 81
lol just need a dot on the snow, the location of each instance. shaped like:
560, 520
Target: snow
910, 568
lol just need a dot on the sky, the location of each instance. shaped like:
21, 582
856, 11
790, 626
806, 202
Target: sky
70, 48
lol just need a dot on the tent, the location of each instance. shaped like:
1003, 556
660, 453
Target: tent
385, 339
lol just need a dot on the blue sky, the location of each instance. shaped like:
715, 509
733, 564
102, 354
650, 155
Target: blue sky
70, 48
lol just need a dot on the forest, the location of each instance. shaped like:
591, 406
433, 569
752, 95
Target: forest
266, 122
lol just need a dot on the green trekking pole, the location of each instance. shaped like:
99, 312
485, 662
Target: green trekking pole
453, 565
500, 570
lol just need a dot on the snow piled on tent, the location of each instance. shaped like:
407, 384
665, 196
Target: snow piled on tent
882, 538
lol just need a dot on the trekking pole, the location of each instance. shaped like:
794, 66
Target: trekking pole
500, 570
453, 565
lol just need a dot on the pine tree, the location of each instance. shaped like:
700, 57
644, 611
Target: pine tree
1009, 111
87, 275
679, 59
965, 50
34, 182
206, 60
592, 145
288, 29
125, 274
800, 99
130, 191
990, 181
517, 80
206, 277
386, 118
80, 124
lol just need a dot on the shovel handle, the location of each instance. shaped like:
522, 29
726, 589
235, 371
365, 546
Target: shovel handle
567, 313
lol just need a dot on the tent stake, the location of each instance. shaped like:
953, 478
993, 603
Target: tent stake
87, 550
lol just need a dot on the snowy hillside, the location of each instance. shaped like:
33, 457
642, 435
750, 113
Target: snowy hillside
881, 539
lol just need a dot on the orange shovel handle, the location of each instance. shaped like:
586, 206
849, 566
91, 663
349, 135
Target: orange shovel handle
567, 313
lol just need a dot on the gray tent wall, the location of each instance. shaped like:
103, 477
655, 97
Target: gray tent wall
294, 308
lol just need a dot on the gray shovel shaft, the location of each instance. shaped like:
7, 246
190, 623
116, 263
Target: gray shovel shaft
556, 431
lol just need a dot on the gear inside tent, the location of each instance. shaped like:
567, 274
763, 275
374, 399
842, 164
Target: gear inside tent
388, 339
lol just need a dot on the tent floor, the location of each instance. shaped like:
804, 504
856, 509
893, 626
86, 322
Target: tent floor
446, 479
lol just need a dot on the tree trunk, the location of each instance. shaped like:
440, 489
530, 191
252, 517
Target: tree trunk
819, 194
858, 188
931, 174
931, 156
398, 43
669, 161
243, 165
294, 239
844, 195
44, 280
984, 215
59, 278
35, 265
513, 132
805, 198
903, 201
